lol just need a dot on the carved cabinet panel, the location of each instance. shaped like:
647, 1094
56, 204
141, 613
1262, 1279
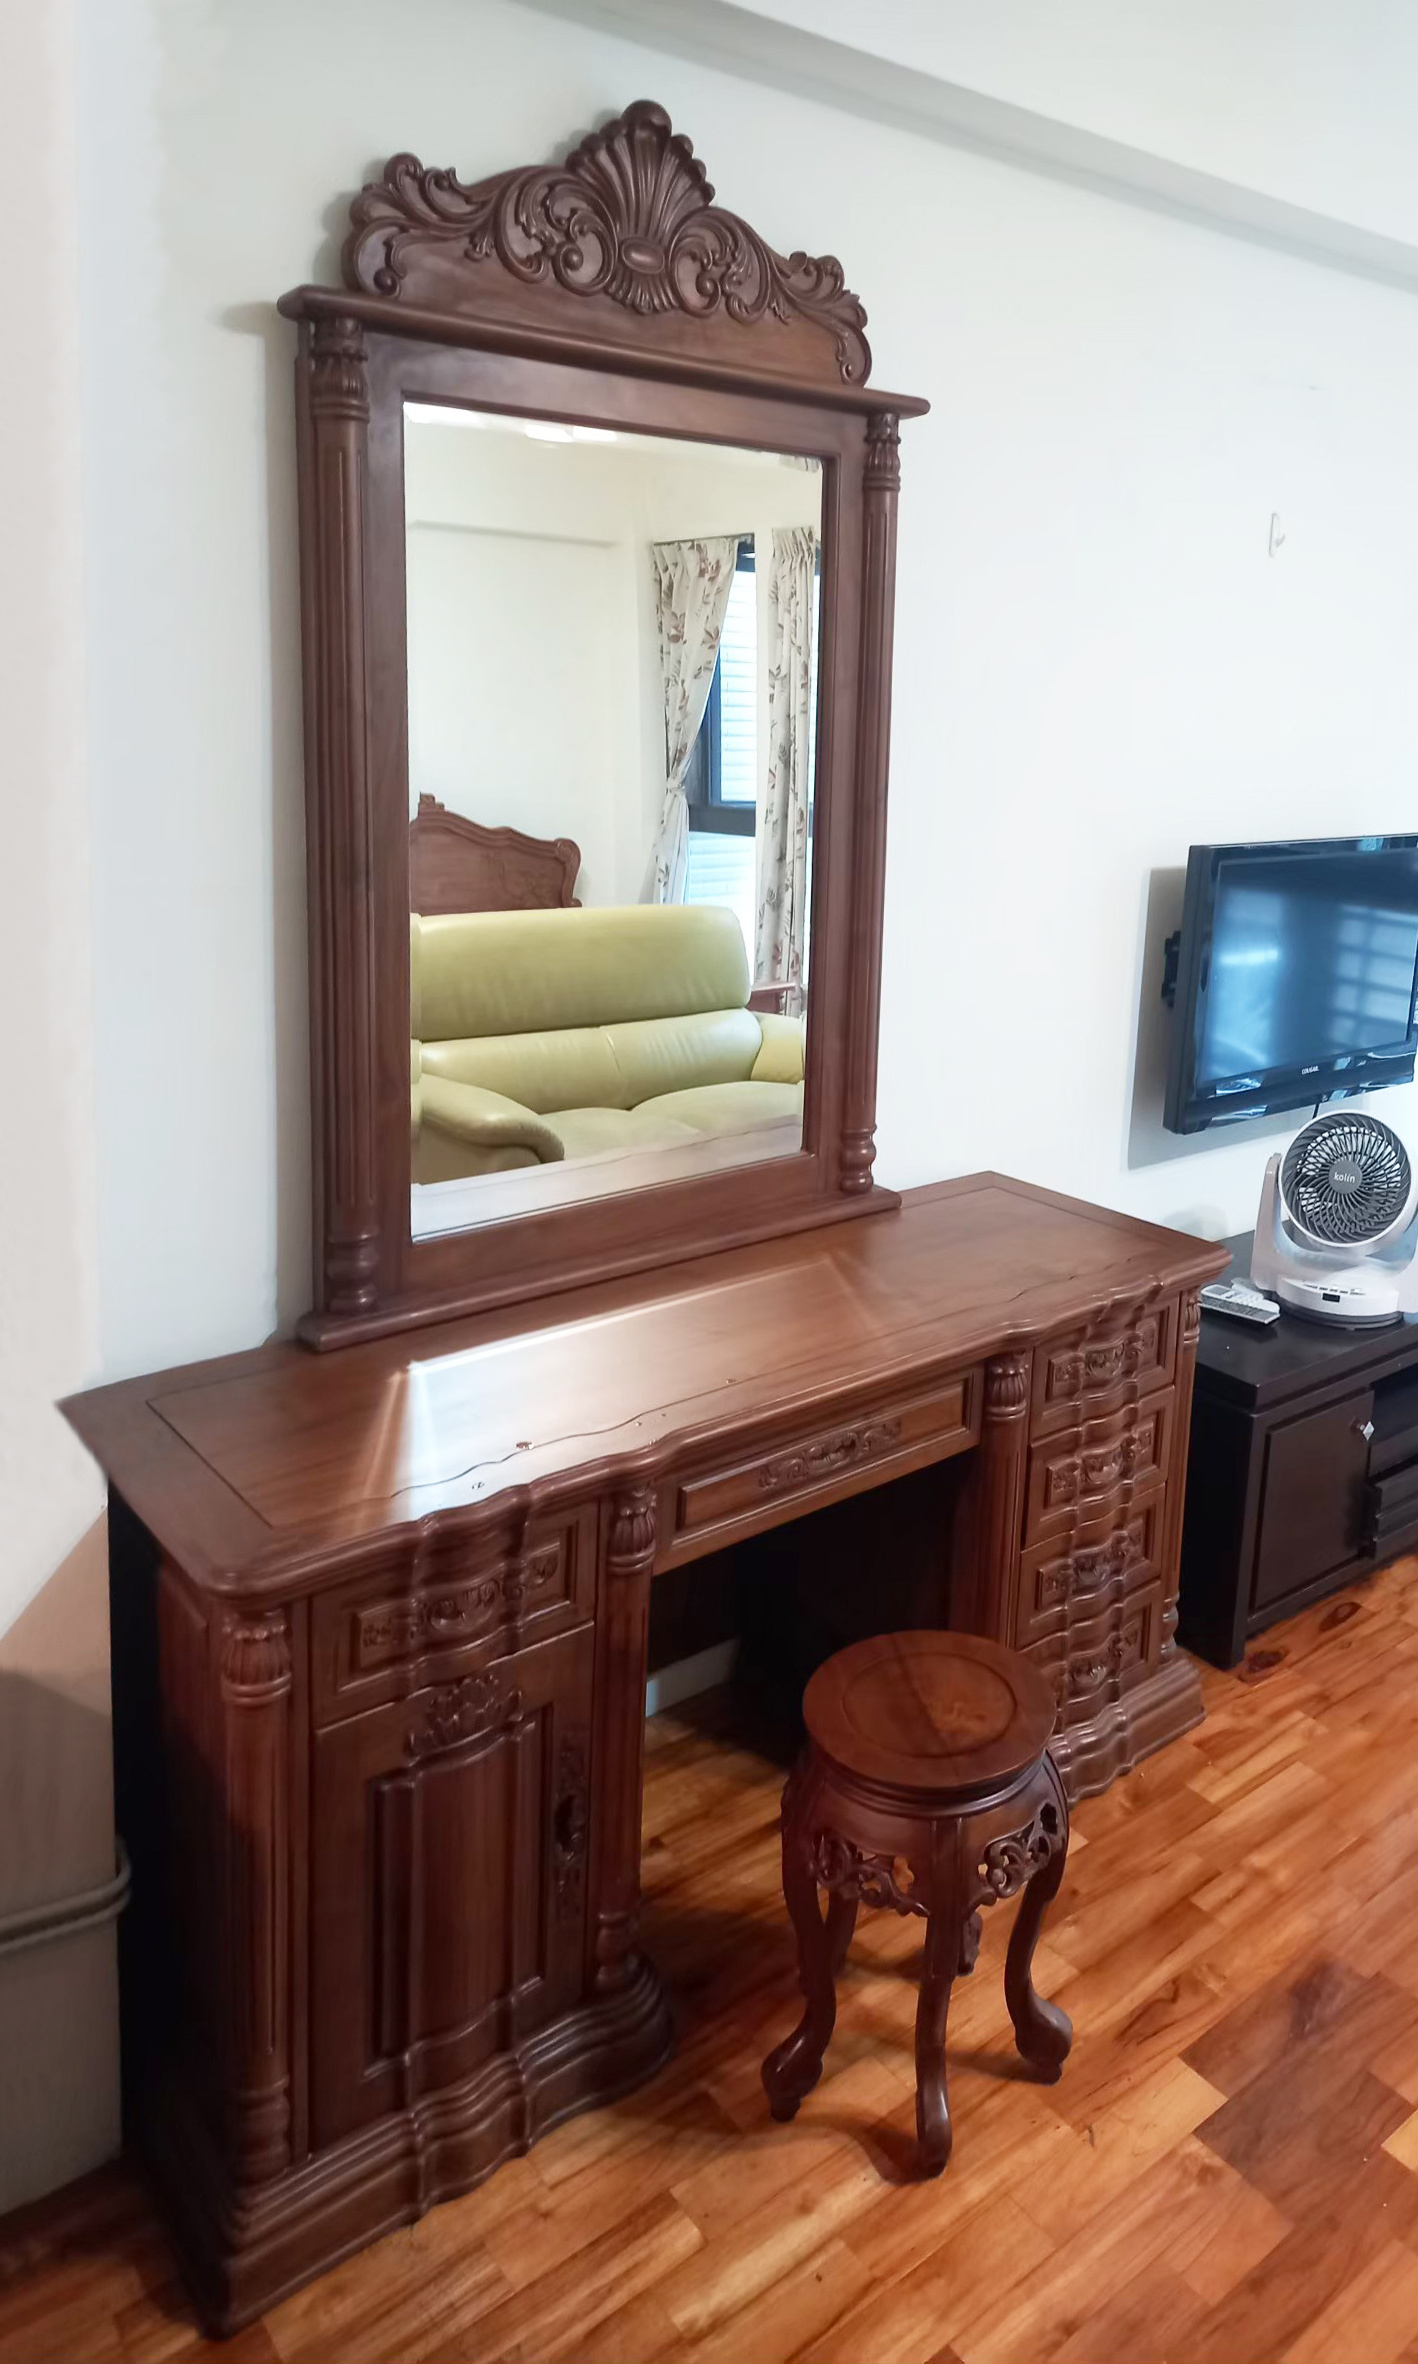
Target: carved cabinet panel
1076, 1576
1095, 1663
448, 1879
446, 1609
1083, 1470
1081, 1377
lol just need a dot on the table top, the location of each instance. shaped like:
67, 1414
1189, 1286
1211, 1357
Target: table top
260, 1463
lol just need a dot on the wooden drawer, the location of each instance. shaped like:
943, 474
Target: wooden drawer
448, 1606
1080, 1377
1079, 1576
827, 1464
1085, 1470
1097, 1662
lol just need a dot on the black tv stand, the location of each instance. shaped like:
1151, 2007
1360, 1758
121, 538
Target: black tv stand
1303, 1473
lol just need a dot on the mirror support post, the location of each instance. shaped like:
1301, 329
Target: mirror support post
881, 483
333, 384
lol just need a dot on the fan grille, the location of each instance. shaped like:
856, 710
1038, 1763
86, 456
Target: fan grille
1346, 1178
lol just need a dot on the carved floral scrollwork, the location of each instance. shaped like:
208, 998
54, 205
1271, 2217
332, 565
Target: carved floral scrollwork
1089, 1369
871, 1879
396, 1629
460, 1711
1007, 1862
1102, 1466
825, 1456
629, 215
1092, 1567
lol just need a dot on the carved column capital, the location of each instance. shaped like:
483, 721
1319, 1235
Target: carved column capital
339, 376
634, 1524
1191, 1317
1007, 1387
883, 468
255, 1656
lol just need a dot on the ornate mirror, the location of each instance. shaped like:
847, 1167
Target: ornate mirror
597, 548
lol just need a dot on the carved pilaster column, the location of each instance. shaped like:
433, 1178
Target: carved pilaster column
335, 434
621, 1646
1188, 1333
996, 1503
881, 482
255, 1689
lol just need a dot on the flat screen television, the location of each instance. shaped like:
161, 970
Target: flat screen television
1295, 977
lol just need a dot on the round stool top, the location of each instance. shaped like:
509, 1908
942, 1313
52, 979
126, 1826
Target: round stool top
930, 1711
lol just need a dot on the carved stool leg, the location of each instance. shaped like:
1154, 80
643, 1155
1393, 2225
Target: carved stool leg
1043, 2033
944, 1939
841, 1921
793, 2068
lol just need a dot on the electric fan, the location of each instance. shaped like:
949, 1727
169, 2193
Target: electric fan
1336, 1234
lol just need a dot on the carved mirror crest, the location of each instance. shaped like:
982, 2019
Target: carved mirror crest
597, 557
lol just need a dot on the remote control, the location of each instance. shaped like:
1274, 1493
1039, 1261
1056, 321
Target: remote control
1241, 1301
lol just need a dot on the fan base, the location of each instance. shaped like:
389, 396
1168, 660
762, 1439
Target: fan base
1358, 1308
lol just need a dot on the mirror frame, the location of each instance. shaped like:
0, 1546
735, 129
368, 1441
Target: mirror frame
607, 291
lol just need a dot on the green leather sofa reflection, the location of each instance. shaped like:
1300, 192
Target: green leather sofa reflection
539, 1036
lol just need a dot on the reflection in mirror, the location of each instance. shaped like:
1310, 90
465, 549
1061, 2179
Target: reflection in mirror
612, 682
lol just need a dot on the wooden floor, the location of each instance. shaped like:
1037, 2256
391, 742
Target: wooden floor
1228, 2171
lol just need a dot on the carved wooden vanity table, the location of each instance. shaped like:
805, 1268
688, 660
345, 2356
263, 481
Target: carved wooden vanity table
379, 1647
380, 1615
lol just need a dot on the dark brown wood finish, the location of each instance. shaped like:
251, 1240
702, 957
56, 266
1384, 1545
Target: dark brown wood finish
925, 1787
380, 1636
610, 291
1304, 1468
458, 865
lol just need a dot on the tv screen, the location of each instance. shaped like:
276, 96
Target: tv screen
1295, 978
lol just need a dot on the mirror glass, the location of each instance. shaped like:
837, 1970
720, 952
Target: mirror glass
612, 703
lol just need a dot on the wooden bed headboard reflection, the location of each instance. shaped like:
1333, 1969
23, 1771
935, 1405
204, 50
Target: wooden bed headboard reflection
458, 865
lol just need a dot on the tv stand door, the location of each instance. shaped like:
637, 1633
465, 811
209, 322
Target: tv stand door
1313, 1497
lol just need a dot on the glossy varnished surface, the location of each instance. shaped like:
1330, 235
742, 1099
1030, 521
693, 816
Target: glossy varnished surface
1227, 2174
929, 1712
246, 1462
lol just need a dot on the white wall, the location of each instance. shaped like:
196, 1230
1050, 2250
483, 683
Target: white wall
1302, 99
58, 2083
535, 690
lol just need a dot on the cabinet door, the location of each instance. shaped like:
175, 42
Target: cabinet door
448, 1846
1312, 1497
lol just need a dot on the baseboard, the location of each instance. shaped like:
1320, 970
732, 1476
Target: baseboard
687, 1677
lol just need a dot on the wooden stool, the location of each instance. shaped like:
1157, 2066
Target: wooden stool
926, 1786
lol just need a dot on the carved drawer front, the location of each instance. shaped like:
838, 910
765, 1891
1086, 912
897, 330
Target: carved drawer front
443, 1607
1096, 1663
1075, 1577
1078, 1378
1080, 1473
827, 1464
